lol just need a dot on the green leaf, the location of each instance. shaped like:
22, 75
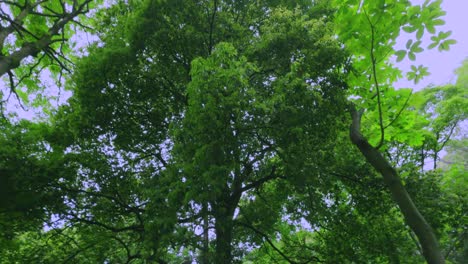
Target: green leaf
433, 45
443, 47
423, 71
415, 46
408, 43
430, 28
438, 22
409, 29
420, 33
417, 79
449, 42
411, 56
400, 55
444, 35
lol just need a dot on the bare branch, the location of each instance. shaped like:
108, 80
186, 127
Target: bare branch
31, 69
138, 228
13, 90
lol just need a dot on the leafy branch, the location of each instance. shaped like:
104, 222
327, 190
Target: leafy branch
376, 83
35, 29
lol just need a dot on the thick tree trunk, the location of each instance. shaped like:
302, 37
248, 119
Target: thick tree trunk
224, 215
413, 217
223, 229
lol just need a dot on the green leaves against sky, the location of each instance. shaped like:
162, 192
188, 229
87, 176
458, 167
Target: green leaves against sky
218, 132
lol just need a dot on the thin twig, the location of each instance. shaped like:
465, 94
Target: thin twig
401, 110
13, 90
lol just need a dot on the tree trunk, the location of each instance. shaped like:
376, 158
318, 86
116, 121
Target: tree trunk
413, 217
223, 229
205, 255
224, 215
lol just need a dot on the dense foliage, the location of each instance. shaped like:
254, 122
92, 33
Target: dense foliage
230, 131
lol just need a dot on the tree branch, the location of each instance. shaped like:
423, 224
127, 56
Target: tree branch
413, 217
212, 20
260, 181
265, 236
376, 83
401, 111
13, 60
138, 228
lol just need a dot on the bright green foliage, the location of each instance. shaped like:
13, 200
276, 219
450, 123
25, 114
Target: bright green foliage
444, 108
364, 29
217, 132
462, 75
395, 115
210, 137
417, 73
371, 42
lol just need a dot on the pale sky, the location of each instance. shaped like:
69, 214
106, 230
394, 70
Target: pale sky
441, 64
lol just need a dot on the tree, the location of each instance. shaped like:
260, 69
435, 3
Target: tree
235, 92
218, 132
371, 42
35, 35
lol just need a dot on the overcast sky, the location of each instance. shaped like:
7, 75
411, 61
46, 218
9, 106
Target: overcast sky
442, 64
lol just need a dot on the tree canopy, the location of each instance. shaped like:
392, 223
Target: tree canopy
229, 131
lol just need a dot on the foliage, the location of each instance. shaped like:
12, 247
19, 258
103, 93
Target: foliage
28, 167
217, 132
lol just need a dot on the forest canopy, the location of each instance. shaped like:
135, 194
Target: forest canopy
229, 131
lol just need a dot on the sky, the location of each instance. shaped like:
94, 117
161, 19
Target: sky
441, 64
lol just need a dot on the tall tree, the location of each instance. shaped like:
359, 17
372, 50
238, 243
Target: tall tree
222, 97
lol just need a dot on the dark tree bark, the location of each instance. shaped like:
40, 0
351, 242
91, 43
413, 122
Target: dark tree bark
413, 217
223, 229
223, 212
206, 241
224, 220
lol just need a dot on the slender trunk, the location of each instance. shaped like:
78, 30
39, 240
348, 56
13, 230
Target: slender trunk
413, 217
205, 257
422, 158
436, 153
